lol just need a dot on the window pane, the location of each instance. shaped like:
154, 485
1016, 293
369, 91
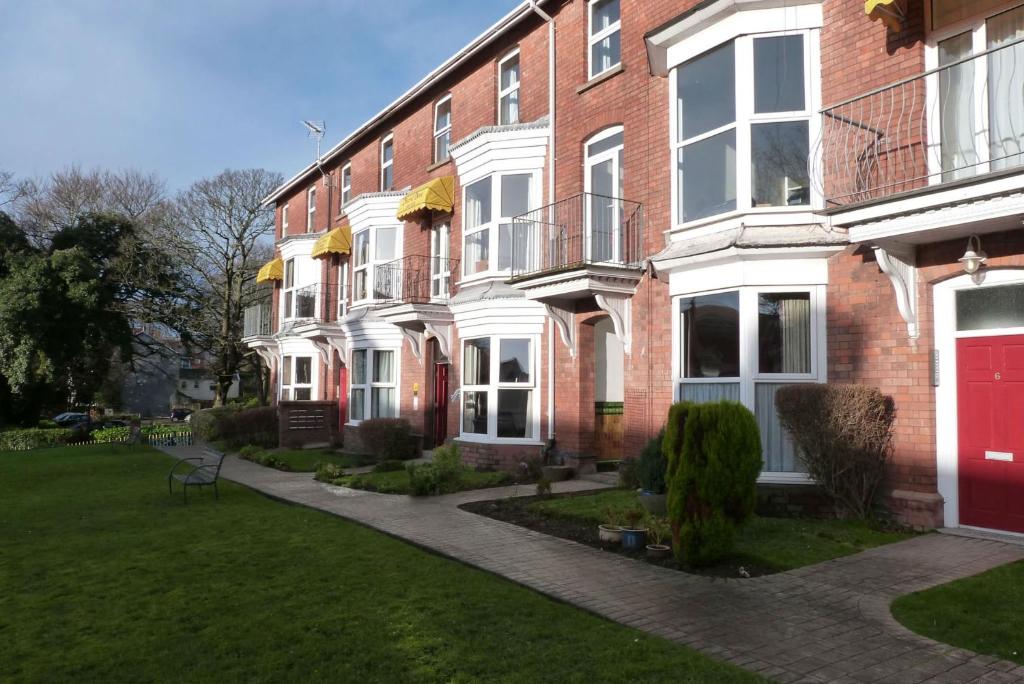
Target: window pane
1005, 85
514, 361
357, 407
514, 412
476, 362
303, 370
388, 179
303, 394
361, 253
388, 151
605, 144
604, 14
382, 402
510, 72
515, 195
779, 74
474, 413
987, 308
478, 203
784, 332
360, 285
956, 109
289, 297
289, 273
386, 244
477, 252
706, 88
605, 54
779, 152
444, 116
383, 366
441, 143
359, 367
710, 329
286, 394
510, 108
711, 187
514, 246
286, 375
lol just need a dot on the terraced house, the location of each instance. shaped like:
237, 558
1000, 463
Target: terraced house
599, 207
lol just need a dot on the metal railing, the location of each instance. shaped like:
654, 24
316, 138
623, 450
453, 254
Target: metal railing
576, 231
959, 120
416, 279
257, 320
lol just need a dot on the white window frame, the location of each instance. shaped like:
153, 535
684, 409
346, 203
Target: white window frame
310, 208
445, 130
493, 238
346, 185
372, 262
288, 291
284, 220
749, 373
440, 264
495, 385
342, 289
613, 155
288, 384
513, 88
369, 385
745, 119
977, 26
389, 165
593, 39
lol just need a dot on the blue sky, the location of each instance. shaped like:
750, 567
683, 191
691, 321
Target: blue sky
187, 88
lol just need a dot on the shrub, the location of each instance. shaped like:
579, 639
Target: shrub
388, 466
328, 472
543, 487
111, 434
714, 459
628, 478
844, 436
389, 439
650, 468
249, 450
34, 438
238, 426
441, 476
47, 424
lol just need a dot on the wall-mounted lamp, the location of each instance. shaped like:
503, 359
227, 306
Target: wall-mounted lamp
974, 258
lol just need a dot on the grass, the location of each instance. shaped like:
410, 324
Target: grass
397, 481
305, 460
104, 577
775, 544
984, 613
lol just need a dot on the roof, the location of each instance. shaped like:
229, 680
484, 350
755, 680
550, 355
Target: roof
474, 47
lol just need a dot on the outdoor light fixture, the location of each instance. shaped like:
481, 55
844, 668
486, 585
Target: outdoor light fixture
974, 258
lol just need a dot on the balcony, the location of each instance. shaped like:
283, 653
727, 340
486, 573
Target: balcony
578, 247
413, 294
957, 126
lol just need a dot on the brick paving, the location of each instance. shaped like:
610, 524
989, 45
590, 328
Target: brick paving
823, 623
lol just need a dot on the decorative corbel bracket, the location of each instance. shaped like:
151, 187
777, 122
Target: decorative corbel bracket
899, 263
340, 345
565, 321
269, 357
618, 308
415, 340
443, 335
321, 345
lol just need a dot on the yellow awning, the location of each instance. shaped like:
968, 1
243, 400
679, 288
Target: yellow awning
435, 195
337, 241
272, 270
892, 13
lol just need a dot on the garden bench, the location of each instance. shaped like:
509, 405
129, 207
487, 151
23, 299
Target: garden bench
203, 475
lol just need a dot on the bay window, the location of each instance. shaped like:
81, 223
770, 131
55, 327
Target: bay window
371, 247
604, 44
742, 127
373, 385
746, 343
489, 229
508, 90
442, 128
297, 378
499, 388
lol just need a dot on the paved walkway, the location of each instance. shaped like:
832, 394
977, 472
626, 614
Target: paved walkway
824, 623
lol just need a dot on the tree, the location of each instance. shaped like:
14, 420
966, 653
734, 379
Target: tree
222, 235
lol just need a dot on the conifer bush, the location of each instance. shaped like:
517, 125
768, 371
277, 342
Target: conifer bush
714, 458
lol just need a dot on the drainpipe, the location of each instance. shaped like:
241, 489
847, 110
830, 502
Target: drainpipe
551, 196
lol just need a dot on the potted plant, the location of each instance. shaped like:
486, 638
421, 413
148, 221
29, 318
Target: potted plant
657, 532
634, 534
611, 531
650, 471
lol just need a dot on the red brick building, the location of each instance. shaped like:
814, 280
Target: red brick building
599, 207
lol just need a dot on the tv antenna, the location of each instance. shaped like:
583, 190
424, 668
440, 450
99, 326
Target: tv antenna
316, 130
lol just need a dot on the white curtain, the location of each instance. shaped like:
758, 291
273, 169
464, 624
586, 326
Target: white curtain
956, 109
1006, 89
795, 326
383, 366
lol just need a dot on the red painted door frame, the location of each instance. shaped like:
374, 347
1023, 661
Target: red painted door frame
440, 403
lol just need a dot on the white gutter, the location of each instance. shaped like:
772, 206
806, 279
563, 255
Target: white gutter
551, 197
498, 29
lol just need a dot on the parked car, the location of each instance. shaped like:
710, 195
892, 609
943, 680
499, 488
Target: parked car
70, 420
181, 414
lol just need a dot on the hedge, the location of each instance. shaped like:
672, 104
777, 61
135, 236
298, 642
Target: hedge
34, 438
237, 426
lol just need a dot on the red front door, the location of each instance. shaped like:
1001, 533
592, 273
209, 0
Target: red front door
440, 403
990, 420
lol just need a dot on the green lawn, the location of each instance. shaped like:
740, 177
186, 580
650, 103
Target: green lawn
397, 481
104, 577
984, 613
772, 543
305, 460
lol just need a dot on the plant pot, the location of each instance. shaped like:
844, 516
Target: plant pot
634, 540
556, 473
655, 504
609, 534
658, 552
